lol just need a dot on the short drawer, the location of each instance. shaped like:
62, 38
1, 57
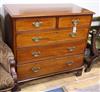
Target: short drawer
68, 21
44, 38
26, 24
50, 66
25, 55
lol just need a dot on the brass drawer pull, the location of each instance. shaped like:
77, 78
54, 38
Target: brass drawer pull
35, 53
74, 29
35, 69
37, 24
75, 21
36, 39
71, 48
69, 62
72, 35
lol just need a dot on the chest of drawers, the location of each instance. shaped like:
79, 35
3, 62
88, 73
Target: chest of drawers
47, 39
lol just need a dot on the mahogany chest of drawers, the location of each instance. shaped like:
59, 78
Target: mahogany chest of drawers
47, 39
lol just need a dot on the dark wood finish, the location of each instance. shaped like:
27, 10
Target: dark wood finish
36, 69
55, 50
9, 36
94, 52
14, 74
47, 30
79, 72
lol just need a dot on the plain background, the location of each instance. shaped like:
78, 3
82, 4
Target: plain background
93, 5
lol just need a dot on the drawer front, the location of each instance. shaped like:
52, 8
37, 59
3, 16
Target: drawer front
50, 51
35, 24
43, 38
81, 21
33, 70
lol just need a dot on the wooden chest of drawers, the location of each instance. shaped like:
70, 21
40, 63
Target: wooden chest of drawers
47, 39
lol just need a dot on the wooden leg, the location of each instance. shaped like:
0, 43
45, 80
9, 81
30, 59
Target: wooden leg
88, 68
89, 64
16, 88
79, 72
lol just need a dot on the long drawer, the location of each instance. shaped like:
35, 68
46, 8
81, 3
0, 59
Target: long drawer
50, 66
56, 50
42, 38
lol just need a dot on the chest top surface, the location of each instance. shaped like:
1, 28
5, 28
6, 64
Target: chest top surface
39, 10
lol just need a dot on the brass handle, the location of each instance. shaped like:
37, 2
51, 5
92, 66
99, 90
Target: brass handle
75, 21
35, 53
36, 39
37, 24
74, 29
69, 63
35, 69
72, 34
71, 48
